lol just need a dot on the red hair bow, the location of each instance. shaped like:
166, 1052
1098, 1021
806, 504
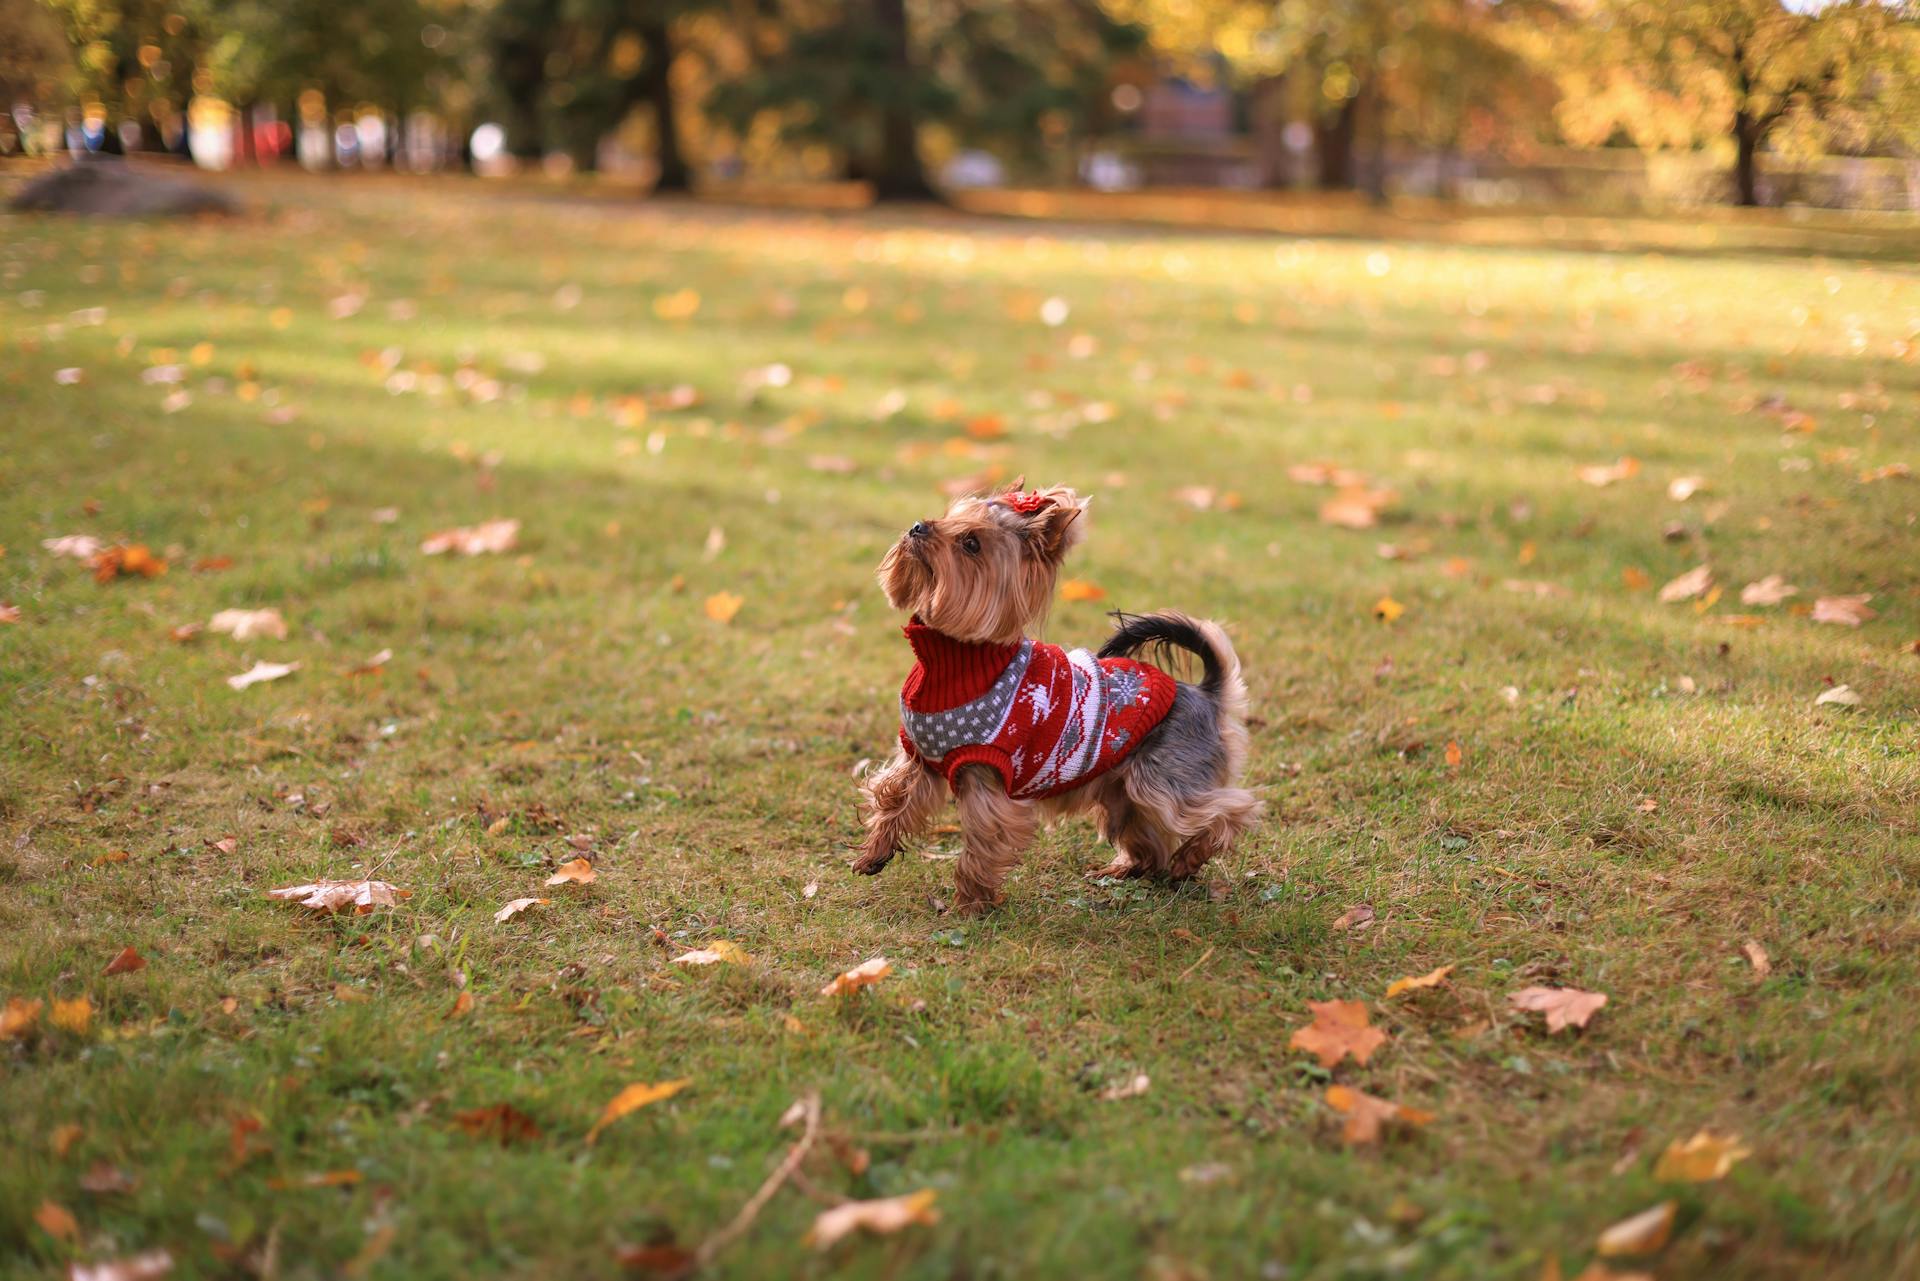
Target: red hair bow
1026, 503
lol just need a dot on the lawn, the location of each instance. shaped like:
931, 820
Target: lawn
1476, 720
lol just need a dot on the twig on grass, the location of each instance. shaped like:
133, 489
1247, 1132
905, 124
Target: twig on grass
809, 1105
1196, 965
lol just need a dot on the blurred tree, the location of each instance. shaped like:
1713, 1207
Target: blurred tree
33, 52
865, 76
1747, 71
136, 60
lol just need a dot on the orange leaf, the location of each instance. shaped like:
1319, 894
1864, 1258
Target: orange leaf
1339, 1028
462, 1006
20, 1016
501, 1122
127, 962
71, 1016
1455, 754
1079, 589
883, 1218
1644, 1233
632, 1099
865, 974
722, 606
1432, 979
1564, 1006
57, 1221
1367, 1115
577, 871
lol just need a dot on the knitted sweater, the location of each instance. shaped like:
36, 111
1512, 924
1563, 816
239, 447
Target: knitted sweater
1046, 719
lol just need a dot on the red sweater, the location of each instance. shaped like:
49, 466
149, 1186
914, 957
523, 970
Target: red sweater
1045, 718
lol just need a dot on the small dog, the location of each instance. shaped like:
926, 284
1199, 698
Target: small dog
1022, 731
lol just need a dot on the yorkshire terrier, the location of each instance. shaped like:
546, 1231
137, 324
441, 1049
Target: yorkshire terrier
1024, 732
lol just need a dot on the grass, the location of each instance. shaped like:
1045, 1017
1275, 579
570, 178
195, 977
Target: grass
1642, 788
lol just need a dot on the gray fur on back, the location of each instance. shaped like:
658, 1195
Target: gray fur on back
1184, 749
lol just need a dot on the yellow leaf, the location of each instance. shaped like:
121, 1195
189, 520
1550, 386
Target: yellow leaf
1701, 1159
576, 871
1386, 609
632, 1099
722, 606
718, 952
1339, 1028
1644, 1233
883, 1218
20, 1015
71, 1016
1432, 979
1079, 589
865, 974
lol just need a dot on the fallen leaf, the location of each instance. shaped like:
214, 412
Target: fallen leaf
64, 1136
246, 624
1356, 507
718, 952
575, 871
57, 1221
1603, 474
462, 1006
665, 1260
1079, 589
1128, 1089
491, 536
1430, 979
1757, 957
1455, 754
1644, 1233
1847, 611
126, 962
1386, 609
502, 1122
1690, 584
1838, 696
1367, 1115
1357, 917
882, 1218
71, 1016
1326, 473
21, 1015
1701, 1159
131, 561
104, 1178
722, 606
9, 613
811, 888
516, 907
865, 974
1564, 1006
1634, 579
1770, 590
338, 896
632, 1099
148, 1266
319, 1179
1339, 1028
1681, 488
372, 665
1198, 497
262, 671
78, 546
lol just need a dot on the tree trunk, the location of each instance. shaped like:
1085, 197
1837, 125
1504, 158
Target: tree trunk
1746, 176
1268, 117
658, 89
898, 174
1333, 145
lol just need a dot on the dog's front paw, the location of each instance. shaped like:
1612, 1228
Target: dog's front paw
872, 861
966, 906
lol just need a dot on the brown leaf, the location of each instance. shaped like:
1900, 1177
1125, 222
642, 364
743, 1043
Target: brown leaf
338, 896
262, 671
575, 871
21, 1016
1847, 611
882, 1218
318, 1179
103, 1178
516, 907
1603, 474
667, 1260
462, 1006
1757, 955
149, 1266
64, 1136
1367, 1115
718, 952
249, 624
491, 536
57, 1221
1431, 979
502, 1122
126, 962
133, 561
1770, 590
1356, 507
1455, 754
865, 974
1564, 1006
1644, 1233
1339, 1028
632, 1099
1701, 1159
1357, 917
1689, 585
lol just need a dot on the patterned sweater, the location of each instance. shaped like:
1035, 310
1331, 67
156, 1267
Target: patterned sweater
1045, 718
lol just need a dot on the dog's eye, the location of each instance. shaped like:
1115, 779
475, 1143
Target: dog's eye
972, 544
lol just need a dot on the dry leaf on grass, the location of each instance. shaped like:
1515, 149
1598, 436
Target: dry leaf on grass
1770, 590
865, 974
474, 540
1847, 611
131, 561
78, 546
1367, 1115
1132, 1088
632, 1099
1387, 609
148, 1266
575, 871
262, 671
64, 1136
104, 1178
1431, 979
9, 613
57, 1221
718, 952
126, 962
318, 1179
1339, 1028
1701, 1159
1357, 917
1601, 475
516, 907
1454, 754
1644, 1233
1681, 488
1757, 956
1198, 497
883, 1217
1693, 583
247, 624
1564, 1006
1321, 472
1838, 696
1079, 589
1356, 507
722, 606
21, 1016
462, 1006
71, 1016
338, 896
662, 1260
502, 1122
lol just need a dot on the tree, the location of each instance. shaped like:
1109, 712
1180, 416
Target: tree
33, 55
1744, 71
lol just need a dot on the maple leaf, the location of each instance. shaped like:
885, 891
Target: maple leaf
1564, 1006
1356, 507
21, 1015
502, 1122
57, 1221
262, 671
338, 896
1601, 475
1367, 1115
1339, 1028
862, 975
148, 1266
1079, 589
882, 1218
632, 1099
1701, 1159
491, 536
575, 871
1431, 979
71, 1016
516, 907
1689, 585
126, 962
1644, 1233
1387, 609
246, 624
1770, 590
1847, 611
718, 952
722, 606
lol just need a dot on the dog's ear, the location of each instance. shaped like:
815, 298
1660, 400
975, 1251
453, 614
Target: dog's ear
1055, 528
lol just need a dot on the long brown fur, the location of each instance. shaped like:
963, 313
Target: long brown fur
985, 572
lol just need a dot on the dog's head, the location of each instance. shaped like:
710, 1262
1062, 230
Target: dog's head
985, 570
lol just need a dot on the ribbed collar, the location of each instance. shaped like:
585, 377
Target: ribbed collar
950, 672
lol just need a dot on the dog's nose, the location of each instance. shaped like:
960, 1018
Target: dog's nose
919, 530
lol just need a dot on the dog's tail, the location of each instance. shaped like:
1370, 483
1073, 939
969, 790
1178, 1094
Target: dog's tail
1206, 640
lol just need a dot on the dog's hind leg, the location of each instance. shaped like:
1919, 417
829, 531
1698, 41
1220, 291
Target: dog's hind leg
1139, 845
900, 797
996, 830
1216, 818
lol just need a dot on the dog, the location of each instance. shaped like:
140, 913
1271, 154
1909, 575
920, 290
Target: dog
1022, 732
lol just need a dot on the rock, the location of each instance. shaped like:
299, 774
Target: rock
114, 188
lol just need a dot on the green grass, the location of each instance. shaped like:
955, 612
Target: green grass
577, 683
